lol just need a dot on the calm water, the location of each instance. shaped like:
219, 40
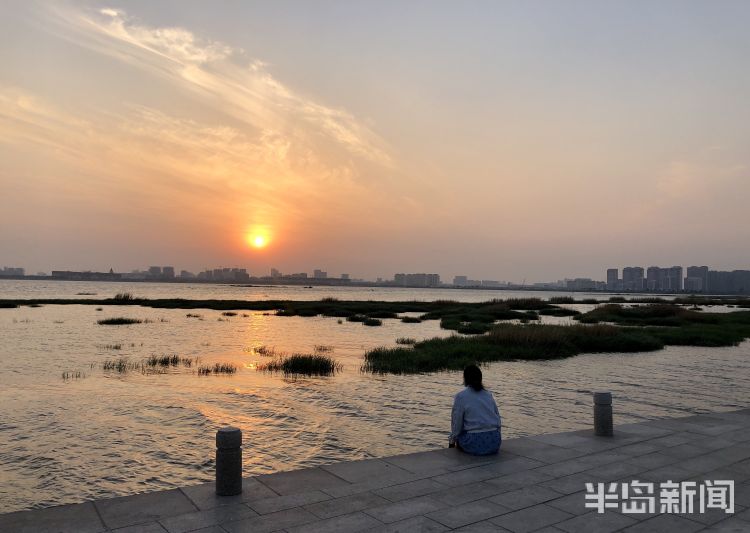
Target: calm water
109, 434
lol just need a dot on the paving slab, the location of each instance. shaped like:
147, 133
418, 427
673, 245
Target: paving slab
271, 522
368, 470
525, 497
420, 524
141, 508
204, 495
665, 524
340, 524
80, 517
345, 505
596, 523
394, 512
306, 480
149, 527
531, 518
466, 493
202, 519
468, 513
410, 490
279, 503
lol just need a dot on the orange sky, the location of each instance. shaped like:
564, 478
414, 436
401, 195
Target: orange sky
491, 141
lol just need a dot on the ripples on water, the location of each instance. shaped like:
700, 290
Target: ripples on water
109, 434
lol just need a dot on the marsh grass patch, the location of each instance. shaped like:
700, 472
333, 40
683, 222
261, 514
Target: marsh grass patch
119, 321
217, 368
303, 365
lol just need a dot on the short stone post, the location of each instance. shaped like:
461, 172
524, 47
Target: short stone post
603, 414
228, 461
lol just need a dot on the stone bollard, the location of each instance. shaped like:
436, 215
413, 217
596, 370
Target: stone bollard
228, 461
603, 414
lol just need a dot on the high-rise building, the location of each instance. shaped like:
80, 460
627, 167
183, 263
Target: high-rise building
696, 279
632, 279
167, 272
275, 273
674, 275
320, 274
154, 271
613, 277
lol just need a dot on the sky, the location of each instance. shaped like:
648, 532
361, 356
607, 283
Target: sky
495, 139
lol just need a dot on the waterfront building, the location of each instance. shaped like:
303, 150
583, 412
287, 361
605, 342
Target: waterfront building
697, 279
632, 279
416, 280
613, 279
86, 276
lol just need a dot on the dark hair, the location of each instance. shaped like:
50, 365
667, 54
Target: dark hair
473, 377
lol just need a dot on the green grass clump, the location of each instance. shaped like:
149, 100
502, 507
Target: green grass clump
118, 321
356, 318
369, 321
562, 300
647, 315
382, 314
8, 305
411, 319
124, 297
229, 313
636, 329
217, 368
73, 374
507, 342
406, 340
303, 365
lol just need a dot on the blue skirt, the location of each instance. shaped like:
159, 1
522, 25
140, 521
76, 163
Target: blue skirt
484, 443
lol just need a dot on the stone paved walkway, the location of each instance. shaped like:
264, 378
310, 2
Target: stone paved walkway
534, 484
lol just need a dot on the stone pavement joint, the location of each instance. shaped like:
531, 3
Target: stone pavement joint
533, 484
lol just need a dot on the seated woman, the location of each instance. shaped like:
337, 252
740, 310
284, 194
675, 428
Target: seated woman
475, 421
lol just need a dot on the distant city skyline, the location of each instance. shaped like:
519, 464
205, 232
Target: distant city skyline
634, 278
526, 143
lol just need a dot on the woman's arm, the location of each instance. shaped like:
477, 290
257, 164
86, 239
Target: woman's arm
457, 421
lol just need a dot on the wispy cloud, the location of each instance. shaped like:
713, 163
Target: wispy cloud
224, 77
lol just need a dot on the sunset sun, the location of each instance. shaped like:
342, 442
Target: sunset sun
258, 241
